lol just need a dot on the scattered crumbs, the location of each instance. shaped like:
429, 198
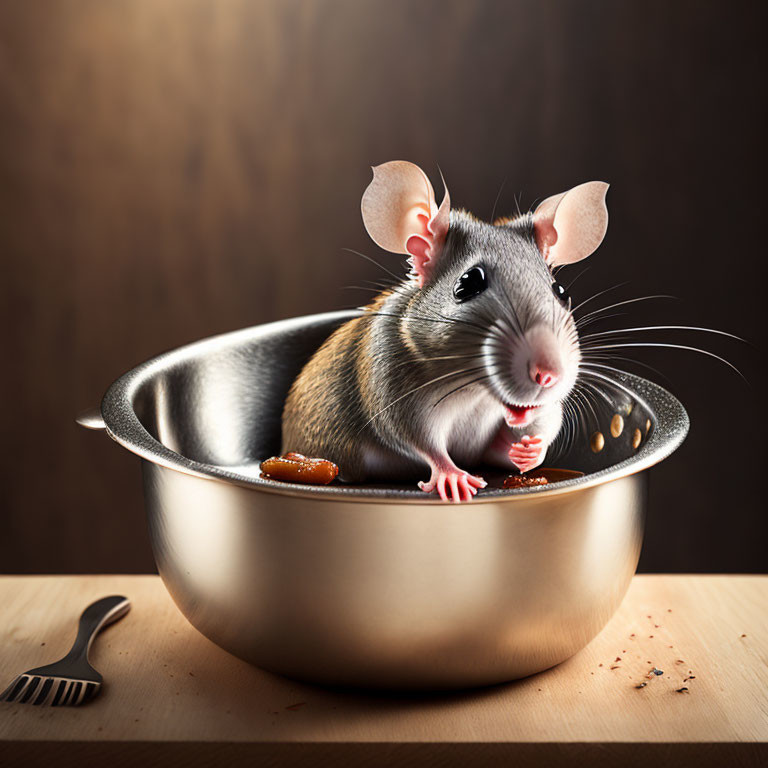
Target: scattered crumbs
669, 610
616, 666
618, 658
623, 651
690, 677
648, 662
682, 690
632, 635
742, 636
655, 626
679, 661
44, 643
649, 616
599, 665
592, 673
294, 707
671, 646
191, 675
650, 636
538, 689
641, 685
170, 675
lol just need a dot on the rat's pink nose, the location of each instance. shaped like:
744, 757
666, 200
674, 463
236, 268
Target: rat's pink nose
543, 376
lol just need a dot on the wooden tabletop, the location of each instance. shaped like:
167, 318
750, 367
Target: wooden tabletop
172, 695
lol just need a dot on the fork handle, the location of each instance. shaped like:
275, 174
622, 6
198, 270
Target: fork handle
93, 619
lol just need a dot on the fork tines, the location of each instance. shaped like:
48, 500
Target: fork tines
54, 691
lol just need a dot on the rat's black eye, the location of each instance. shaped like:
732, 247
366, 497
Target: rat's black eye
560, 292
472, 282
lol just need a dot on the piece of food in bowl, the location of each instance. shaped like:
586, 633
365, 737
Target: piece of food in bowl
296, 468
539, 477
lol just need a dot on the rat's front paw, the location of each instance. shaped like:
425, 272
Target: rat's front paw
528, 453
459, 484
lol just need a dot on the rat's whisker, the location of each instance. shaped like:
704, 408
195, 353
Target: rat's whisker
592, 360
668, 346
581, 326
496, 201
398, 278
568, 287
461, 386
660, 328
416, 389
600, 293
442, 357
598, 391
622, 303
611, 381
410, 318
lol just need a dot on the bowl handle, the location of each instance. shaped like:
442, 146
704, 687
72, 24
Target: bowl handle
91, 419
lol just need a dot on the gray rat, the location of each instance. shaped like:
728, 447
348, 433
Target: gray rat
465, 362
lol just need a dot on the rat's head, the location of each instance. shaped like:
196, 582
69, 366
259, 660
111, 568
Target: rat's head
487, 300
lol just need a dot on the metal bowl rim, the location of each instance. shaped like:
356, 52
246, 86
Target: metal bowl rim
669, 418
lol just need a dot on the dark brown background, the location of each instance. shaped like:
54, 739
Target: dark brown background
172, 170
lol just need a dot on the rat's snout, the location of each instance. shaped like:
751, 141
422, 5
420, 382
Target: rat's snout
543, 375
545, 364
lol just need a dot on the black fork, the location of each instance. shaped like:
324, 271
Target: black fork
72, 680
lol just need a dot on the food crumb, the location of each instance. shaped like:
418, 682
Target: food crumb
650, 636
742, 636
599, 665
44, 643
524, 481
679, 661
616, 666
191, 675
669, 610
690, 677
618, 658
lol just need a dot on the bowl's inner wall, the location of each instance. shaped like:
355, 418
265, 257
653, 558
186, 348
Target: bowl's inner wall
223, 405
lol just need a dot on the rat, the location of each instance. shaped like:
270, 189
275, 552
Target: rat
465, 362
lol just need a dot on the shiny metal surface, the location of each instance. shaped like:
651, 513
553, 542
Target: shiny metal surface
379, 586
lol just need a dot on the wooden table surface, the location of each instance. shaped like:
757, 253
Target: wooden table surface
172, 696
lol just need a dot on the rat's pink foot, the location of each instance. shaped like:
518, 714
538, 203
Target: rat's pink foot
528, 453
459, 484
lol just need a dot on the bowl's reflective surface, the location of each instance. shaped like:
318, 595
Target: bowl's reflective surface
378, 587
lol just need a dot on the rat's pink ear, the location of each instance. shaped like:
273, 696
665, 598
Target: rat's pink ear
572, 225
401, 216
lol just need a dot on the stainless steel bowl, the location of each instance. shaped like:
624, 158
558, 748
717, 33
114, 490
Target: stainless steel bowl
375, 586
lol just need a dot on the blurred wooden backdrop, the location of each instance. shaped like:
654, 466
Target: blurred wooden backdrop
172, 169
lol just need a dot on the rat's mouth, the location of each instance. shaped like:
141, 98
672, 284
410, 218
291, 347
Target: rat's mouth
519, 415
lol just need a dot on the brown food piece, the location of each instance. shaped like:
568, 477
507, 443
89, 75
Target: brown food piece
524, 481
297, 468
539, 477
